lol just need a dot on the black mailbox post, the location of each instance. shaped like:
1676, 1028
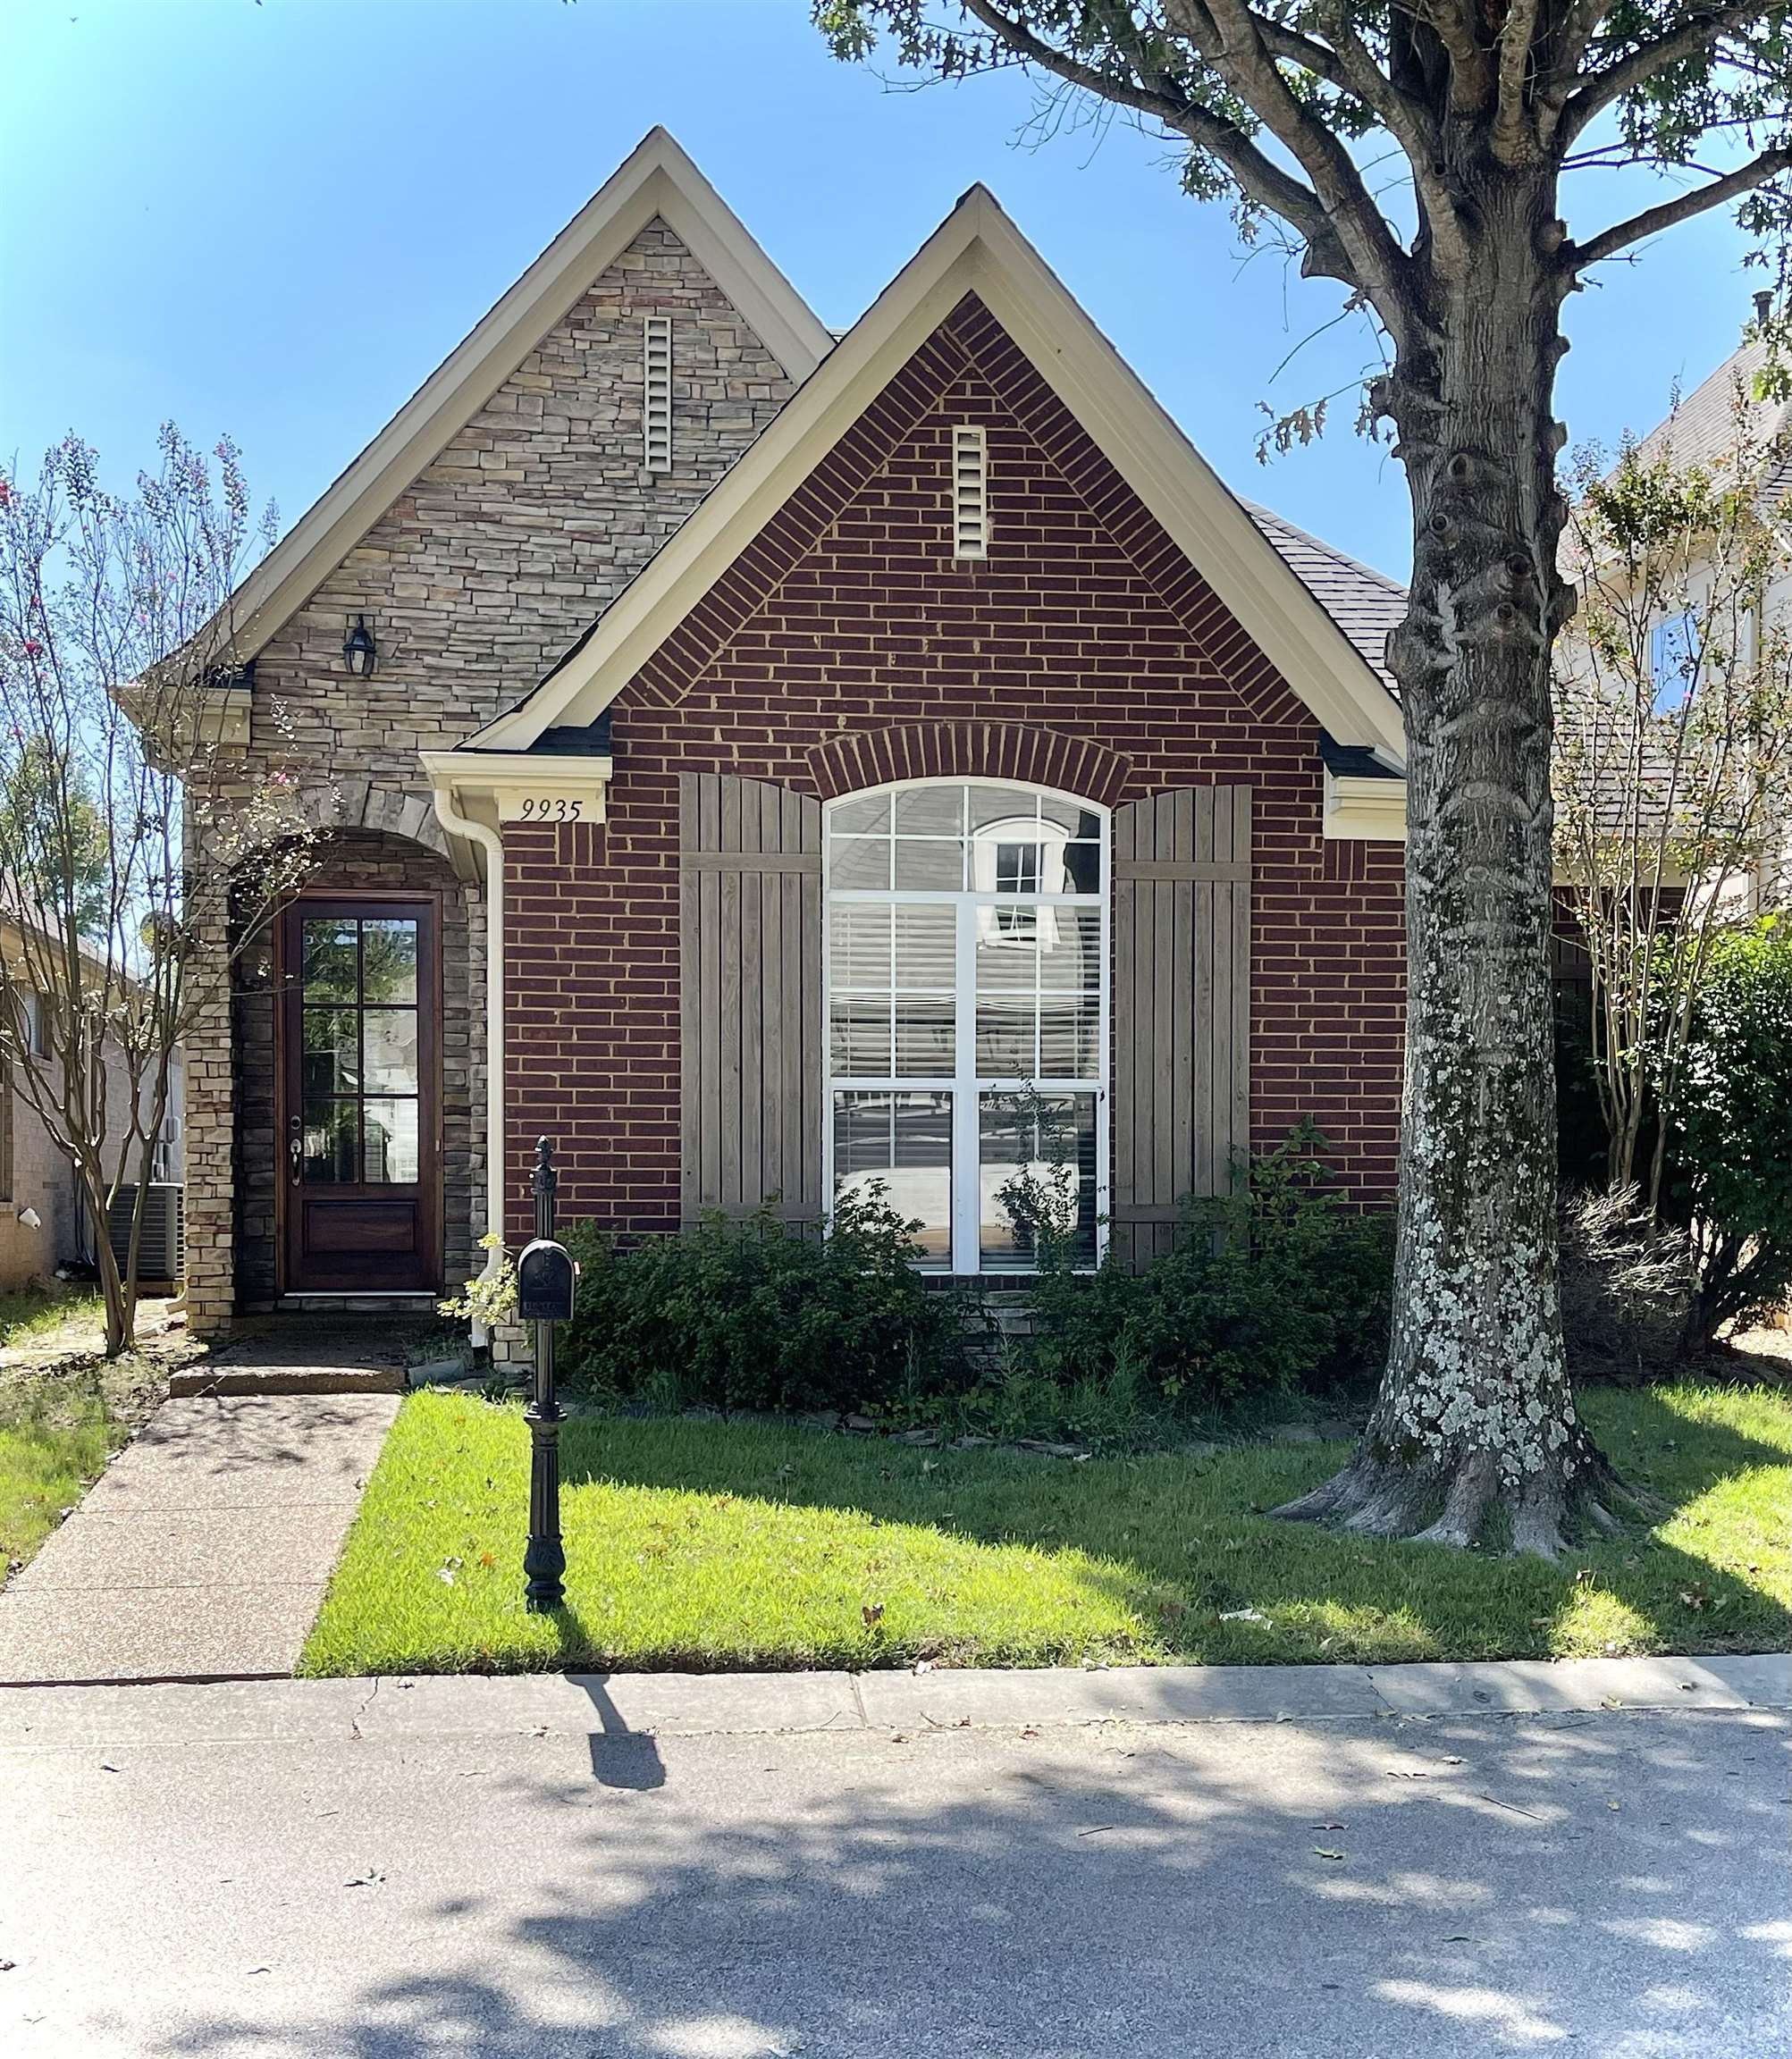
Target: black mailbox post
544, 1297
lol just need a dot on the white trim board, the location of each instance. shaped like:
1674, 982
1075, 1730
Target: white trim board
977, 249
657, 181
1363, 811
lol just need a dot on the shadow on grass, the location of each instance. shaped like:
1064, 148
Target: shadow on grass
1184, 1542
1601, 1884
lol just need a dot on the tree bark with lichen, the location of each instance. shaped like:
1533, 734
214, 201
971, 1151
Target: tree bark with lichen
1476, 1411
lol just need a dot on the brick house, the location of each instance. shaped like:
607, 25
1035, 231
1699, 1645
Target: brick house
840, 734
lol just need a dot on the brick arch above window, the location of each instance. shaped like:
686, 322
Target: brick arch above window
1020, 752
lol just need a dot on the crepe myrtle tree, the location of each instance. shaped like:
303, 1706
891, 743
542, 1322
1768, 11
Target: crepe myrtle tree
1294, 109
122, 814
1673, 760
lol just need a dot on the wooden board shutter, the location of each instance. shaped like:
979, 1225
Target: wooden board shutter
750, 998
1181, 1006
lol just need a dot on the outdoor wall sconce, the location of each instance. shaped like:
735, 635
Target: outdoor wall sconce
357, 648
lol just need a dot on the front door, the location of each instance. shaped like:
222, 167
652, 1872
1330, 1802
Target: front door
360, 1167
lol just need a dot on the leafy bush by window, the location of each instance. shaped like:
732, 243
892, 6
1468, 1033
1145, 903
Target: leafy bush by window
1274, 1287
757, 1314
1731, 1123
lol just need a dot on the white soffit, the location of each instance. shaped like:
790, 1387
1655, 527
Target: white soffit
657, 180
978, 248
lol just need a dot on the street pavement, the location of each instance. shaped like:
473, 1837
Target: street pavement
1590, 1861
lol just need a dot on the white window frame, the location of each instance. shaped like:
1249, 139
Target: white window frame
979, 908
1674, 673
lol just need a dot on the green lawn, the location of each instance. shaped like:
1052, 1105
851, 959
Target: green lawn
32, 1315
57, 1430
704, 1546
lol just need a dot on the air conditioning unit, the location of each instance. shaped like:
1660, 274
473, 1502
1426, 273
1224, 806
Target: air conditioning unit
162, 1252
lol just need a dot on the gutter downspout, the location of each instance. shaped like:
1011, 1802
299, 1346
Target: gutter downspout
491, 843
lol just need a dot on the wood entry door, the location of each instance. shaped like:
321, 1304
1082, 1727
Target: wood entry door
360, 1170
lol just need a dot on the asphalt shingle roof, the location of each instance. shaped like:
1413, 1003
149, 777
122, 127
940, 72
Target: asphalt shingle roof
1364, 603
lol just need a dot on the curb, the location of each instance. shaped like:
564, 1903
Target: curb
742, 1705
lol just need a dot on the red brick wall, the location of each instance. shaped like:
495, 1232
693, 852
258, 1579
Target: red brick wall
846, 635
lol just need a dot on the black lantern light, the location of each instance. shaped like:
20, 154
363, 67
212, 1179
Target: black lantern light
357, 648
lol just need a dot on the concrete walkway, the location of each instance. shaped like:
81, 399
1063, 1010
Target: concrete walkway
203, 1551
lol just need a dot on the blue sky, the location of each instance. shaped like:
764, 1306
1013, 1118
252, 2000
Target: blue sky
276, 220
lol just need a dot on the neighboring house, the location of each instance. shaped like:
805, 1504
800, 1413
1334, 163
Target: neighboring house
1700, 433
44, 1222
838, 733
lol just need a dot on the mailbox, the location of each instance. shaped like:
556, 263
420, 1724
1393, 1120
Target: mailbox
545, 1273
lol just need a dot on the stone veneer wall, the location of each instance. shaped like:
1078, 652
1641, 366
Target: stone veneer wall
846, 638
474, 584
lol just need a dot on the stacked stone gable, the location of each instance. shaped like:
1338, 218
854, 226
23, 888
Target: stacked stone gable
477, 579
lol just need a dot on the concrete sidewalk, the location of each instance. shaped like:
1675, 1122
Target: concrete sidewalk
203, 1551
645, 1705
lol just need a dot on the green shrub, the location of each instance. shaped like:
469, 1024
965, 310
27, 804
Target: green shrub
1274, 1288
1730, 1123
759, 1314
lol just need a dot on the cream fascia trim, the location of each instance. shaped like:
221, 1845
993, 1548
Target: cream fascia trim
1365, 810
658, 179
977, 249
522, 786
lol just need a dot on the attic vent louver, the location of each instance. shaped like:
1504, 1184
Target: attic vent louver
656, 406
970, 492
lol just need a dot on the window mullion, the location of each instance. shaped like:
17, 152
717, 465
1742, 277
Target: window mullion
966, 1173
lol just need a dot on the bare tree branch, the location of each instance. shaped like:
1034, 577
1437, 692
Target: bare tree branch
1514, 139
1652, 221
1226, 34
1259, 177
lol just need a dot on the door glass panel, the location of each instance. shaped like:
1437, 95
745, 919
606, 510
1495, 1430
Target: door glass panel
388, 960
903, 1141
389, 1129
328, 958
329, 1153
331, 1062
389, 1040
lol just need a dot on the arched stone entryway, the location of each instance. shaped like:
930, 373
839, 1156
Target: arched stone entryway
378, 851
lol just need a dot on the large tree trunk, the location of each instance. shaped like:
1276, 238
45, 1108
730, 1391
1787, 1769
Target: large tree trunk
1475, 1412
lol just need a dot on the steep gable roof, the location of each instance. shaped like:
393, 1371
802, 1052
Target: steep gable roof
977, 251
658, 179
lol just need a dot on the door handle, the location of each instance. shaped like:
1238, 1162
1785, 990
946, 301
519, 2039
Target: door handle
295, 1146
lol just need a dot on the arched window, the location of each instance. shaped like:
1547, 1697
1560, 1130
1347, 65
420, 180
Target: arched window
967, 959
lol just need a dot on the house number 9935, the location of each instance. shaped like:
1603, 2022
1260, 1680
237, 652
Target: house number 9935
550, 808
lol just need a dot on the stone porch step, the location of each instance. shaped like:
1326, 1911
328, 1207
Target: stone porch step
227, 1379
